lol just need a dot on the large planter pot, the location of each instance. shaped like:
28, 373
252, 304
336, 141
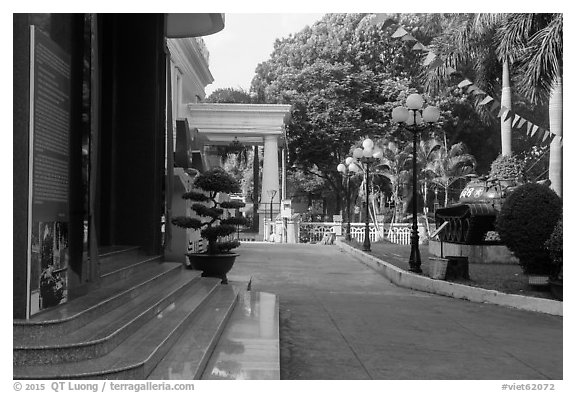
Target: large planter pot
437, 268
213, 265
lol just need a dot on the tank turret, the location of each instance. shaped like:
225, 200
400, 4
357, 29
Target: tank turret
475, 213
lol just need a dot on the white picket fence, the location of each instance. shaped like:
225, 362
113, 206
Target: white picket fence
314, 232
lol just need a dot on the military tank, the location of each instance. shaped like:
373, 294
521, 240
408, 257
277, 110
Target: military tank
474, 215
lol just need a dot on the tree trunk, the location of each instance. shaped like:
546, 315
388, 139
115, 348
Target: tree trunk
506, 125
555, 113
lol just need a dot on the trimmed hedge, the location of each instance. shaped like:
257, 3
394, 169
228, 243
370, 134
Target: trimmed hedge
555, 248
526, 222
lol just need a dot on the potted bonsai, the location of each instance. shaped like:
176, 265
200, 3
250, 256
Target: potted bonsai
554, 246
526, 221
217, 259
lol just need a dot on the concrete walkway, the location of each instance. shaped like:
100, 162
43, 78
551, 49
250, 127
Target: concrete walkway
339, 319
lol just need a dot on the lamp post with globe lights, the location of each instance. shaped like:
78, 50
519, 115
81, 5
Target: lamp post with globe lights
414, 118
360, 162
343, 169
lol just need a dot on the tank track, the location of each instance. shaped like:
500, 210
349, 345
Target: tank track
467, 224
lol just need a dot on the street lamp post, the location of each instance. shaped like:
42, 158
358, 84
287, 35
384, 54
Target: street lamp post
271, 194
412, 117
342, 168
361, 160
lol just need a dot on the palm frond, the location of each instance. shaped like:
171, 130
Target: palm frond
542, 61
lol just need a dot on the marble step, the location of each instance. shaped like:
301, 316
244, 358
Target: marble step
249, 347
105, 332
190, 353
139, 354
66, 318
126, 268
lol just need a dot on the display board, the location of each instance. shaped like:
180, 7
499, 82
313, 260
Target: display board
49, 172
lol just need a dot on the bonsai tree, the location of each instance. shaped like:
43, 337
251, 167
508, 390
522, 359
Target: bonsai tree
213, 228
526, 221
554, 247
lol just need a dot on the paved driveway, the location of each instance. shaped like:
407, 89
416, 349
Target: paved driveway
339, 319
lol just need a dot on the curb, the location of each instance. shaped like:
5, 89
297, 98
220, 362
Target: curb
410, 280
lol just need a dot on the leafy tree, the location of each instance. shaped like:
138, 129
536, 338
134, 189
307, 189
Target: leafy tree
229, 95
342, 76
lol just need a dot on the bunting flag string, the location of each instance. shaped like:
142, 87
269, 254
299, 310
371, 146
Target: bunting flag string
432, 60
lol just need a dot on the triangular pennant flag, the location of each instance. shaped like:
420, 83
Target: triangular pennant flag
408, 37
521, 123
533, 128
495, 106
379, 18
464, 83
486, 100
503, 111
419, 46
400, 32
429, 58
437, 62
515, 121
508, 115
472, 88
546, 134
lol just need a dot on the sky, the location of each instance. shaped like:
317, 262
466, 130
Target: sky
246, 41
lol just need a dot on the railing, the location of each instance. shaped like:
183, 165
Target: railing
399, 233
313, 232
358, 232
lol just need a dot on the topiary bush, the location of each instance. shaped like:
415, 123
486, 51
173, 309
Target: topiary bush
526, 221
508, 168
555, 248
213, 182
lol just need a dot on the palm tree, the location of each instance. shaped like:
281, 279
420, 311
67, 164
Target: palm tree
425, 156
531, 43
535, 42
449, 166
468, 45
394, 166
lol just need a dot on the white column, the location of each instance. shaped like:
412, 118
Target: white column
270, 179
506, 125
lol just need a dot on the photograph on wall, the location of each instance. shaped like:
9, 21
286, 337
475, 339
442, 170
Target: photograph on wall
53, 257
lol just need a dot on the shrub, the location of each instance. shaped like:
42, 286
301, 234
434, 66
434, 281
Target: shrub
526, 221
554, 247
508, 168
212, 183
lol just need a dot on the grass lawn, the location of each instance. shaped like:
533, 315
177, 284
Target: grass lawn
507, 278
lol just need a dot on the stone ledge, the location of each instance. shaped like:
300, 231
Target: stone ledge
475, 253
478, 295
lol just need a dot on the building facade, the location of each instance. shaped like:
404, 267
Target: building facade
93, 120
